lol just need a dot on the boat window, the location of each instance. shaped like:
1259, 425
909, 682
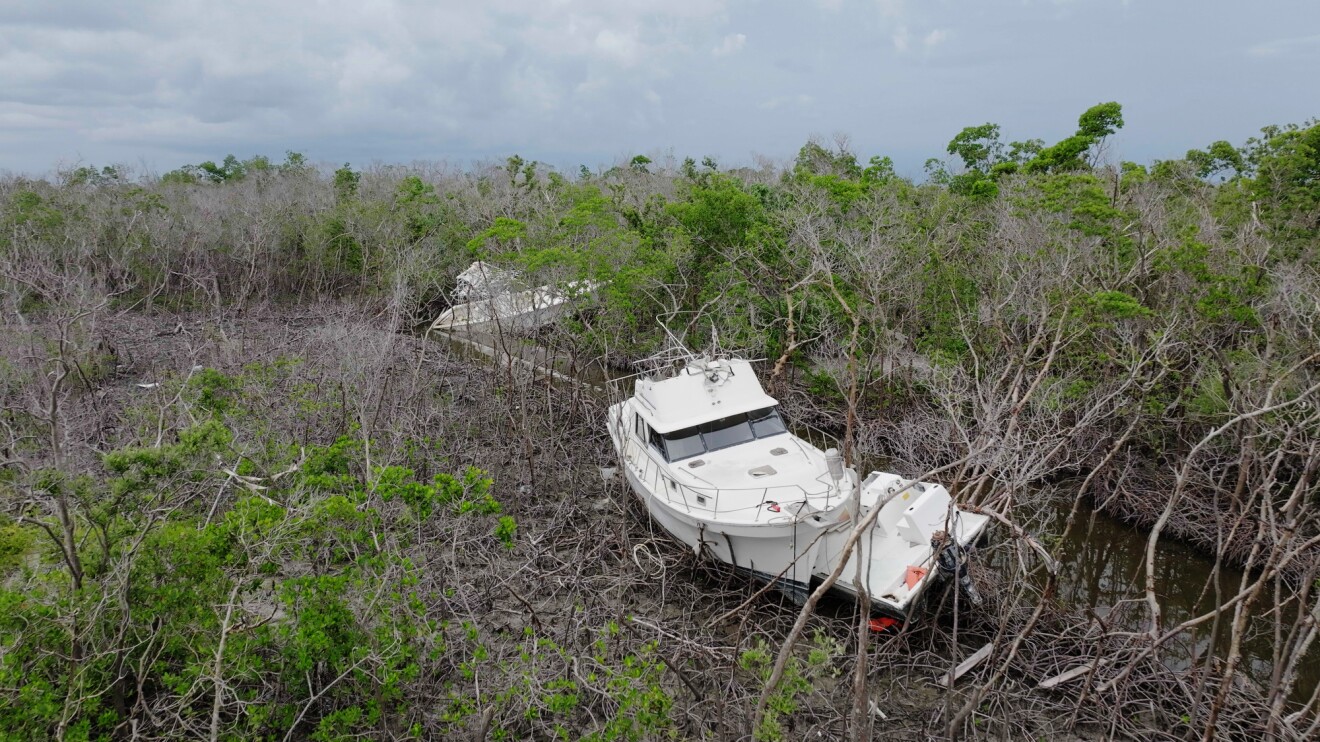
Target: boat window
682, 444
657, 440
727, 431
766, 422
717, 434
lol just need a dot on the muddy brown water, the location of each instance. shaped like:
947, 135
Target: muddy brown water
1102, 564
1103, 569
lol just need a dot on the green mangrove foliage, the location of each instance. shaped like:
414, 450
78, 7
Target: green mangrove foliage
190, 565
302, 591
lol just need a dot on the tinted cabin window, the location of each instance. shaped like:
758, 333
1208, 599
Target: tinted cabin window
727, 431
717, 434
682, 444
766, 422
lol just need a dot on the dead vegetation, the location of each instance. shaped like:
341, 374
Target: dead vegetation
201, 370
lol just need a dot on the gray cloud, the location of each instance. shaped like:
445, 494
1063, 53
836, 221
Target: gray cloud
593, 80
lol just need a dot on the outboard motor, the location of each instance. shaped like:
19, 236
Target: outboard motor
952, 560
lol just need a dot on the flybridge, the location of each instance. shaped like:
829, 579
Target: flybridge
699, 392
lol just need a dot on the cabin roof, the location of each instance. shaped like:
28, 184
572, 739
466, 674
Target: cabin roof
702, 391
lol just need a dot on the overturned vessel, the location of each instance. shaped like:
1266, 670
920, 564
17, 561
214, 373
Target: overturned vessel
706, 450
490, 298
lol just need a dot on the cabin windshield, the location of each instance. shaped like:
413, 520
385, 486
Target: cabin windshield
717, 434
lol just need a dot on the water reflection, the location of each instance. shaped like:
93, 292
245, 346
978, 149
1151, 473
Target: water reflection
1102, 569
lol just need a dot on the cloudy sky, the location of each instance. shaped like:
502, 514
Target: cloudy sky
160, 84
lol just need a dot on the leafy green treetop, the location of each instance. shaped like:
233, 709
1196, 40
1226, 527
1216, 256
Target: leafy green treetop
1217, 159
1098, 122
815, 159
346, 183
984, 160
234, 169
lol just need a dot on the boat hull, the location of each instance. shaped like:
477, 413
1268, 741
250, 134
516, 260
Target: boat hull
799, 555
518, 312
784, 552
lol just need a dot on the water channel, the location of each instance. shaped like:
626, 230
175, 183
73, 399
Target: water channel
1102, 569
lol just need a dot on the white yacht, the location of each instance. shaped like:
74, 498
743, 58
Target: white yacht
706, 450
487, 297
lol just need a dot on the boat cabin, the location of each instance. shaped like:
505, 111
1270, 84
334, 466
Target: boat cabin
714, 435
705, 406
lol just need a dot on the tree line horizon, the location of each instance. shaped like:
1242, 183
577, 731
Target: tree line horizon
979, 151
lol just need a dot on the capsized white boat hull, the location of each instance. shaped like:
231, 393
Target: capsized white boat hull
488, 298
518, 311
